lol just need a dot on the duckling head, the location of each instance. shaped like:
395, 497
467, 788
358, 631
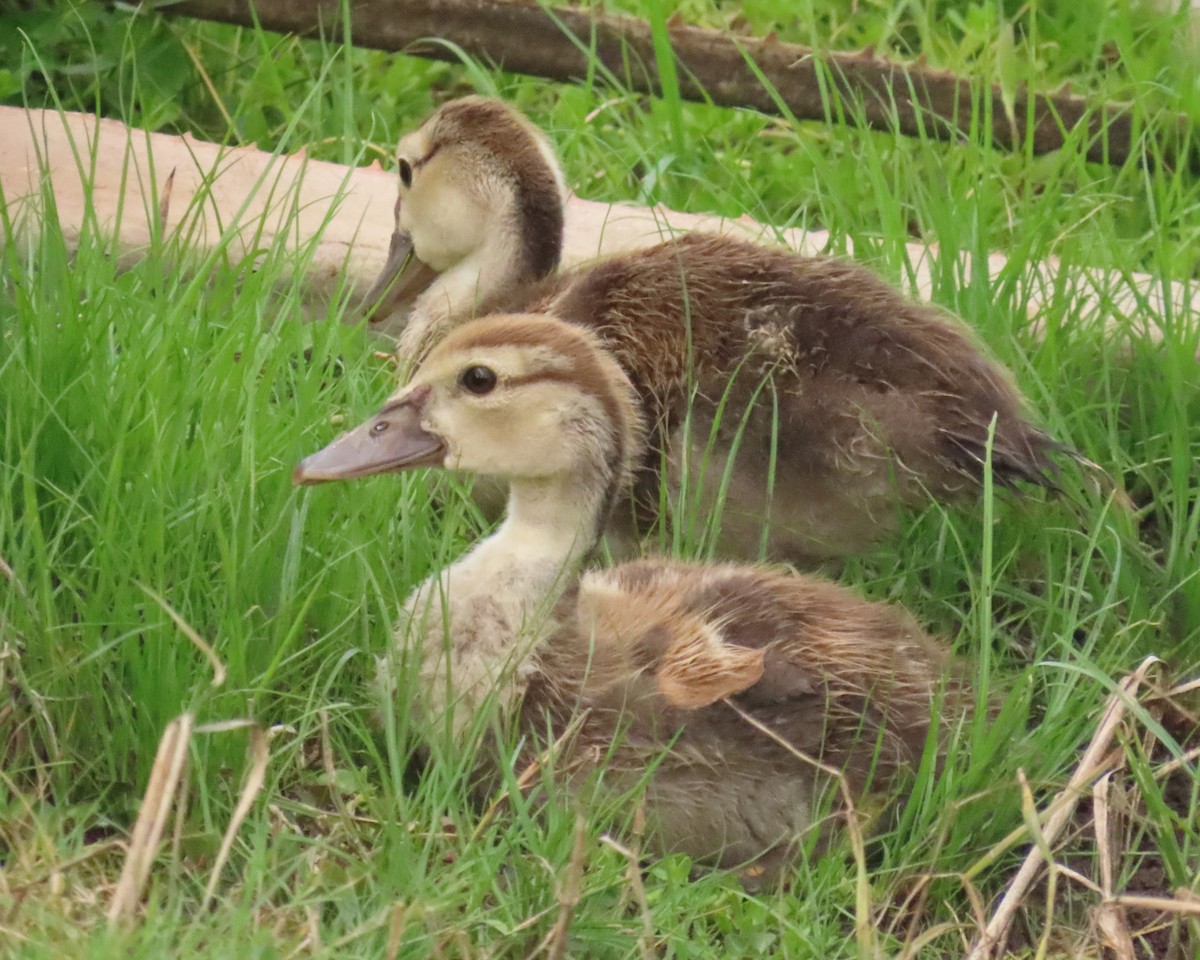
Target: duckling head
481, 193
521, 397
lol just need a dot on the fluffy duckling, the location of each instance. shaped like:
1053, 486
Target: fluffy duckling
731, 683
843, 399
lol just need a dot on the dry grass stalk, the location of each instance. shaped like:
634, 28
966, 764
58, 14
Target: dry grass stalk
312, 923
1178, 763
260, 754
633, 873
396, 927
555, 942
218, 668
527, 774
1030, 815
911, 906
152, 817
1181, 689
348, 819
1109, 918
463, 943
1178, 905
1018, 834
303, 947
916, 947
1094, 762
384, 918
1072, 874
976, 900
10, 575
15, 892
1113, 931
12, 677
164, 200
180, 816
1104, 837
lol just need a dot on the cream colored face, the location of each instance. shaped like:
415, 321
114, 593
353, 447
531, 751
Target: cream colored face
519, 397
448, 200
509, 412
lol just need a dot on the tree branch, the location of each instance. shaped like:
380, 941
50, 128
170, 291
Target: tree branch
560, 43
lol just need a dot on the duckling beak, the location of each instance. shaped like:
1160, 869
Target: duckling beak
391, 441
403, 278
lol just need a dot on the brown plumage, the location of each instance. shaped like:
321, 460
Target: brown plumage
730, 690
867, 400
709, 659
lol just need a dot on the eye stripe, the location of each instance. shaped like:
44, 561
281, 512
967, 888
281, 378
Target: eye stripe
577, 360
582, 371
421, 161
527, 159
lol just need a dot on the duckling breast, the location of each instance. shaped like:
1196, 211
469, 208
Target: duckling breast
471, 633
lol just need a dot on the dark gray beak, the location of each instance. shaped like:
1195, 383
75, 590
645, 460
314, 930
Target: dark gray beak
402, 280
391, 441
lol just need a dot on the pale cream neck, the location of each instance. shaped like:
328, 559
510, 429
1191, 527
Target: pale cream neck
484, 616
560, 515
456, 293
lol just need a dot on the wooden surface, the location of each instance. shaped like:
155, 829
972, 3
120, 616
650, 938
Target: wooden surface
251, 200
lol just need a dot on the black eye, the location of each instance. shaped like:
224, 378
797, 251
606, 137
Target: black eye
405, 173
478, 380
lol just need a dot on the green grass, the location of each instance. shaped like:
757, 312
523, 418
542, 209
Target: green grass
151, 417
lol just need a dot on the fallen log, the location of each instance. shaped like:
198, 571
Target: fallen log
245, 200
566, 43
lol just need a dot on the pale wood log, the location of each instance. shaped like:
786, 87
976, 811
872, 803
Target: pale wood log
104, 170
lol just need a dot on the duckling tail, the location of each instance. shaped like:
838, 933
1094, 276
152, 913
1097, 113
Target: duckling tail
1031, 456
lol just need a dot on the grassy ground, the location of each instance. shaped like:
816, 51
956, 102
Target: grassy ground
151, 417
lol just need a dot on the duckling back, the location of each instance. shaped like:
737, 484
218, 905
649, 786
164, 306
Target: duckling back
824, 385
730, 690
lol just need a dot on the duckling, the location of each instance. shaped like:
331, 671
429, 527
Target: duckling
800, 394
726, 688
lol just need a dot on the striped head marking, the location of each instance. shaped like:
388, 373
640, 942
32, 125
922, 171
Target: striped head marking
478, 173
528, 395
513, 396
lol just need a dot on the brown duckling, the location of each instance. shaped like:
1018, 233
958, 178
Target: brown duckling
837, 399
730, 682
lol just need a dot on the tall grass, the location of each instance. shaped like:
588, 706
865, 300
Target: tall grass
152, 414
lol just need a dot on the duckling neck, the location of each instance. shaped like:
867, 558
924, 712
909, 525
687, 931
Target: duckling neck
484, 276
559, 517
500, 598
551, 527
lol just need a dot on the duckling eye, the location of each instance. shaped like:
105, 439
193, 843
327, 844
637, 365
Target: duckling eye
478, 380
380, 427
406, 172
